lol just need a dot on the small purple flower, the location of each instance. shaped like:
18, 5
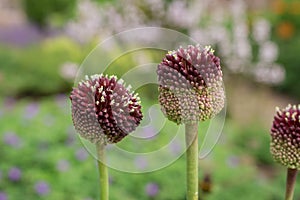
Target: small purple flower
42, 188
12, 139
141, 162
152, 189
61, 100
31, 110
9, 103
175, 147
14, 174
63, 165
233, 161
3, 196
81, 154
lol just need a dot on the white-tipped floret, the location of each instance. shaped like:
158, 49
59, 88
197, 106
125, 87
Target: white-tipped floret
102, 99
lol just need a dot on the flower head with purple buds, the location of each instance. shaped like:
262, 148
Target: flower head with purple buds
104, 110
190, 84
285, 136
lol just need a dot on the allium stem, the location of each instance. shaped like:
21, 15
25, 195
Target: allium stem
290, 183
103, 172
191, 135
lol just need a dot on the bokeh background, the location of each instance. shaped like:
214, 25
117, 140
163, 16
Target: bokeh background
42, 44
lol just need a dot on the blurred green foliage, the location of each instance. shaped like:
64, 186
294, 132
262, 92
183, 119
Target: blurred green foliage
285, 20
36, 69
40, 11
232, 165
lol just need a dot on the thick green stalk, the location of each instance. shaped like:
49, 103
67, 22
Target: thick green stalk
103, 172
191, 135
290, 183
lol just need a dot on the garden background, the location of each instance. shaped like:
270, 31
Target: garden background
42, 44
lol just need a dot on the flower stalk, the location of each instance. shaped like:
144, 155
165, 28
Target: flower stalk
290, 183
191, 135
191, 90
103, 172
285, 143
104, 111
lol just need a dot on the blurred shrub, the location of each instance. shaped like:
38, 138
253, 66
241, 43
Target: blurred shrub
40, 11
286, 22
37, 70
255, 141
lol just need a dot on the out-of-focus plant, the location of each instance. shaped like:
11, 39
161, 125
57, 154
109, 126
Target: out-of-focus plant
39, 12
286, 21
244, 45
48, 67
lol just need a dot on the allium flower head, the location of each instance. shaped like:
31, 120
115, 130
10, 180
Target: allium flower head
190, 84
285, 136
104, 110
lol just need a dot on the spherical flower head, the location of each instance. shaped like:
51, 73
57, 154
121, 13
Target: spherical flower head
104, 110
190, 84
285, 136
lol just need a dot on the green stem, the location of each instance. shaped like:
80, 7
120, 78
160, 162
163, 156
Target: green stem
191, 135
103, 172
290, 183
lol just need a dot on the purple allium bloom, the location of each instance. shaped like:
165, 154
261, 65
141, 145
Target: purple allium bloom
3, 196
31, 110
152, 189
42, 188
103, 110
285, 136
63, 165
14, 174
81, 154
12, 139
190, 84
